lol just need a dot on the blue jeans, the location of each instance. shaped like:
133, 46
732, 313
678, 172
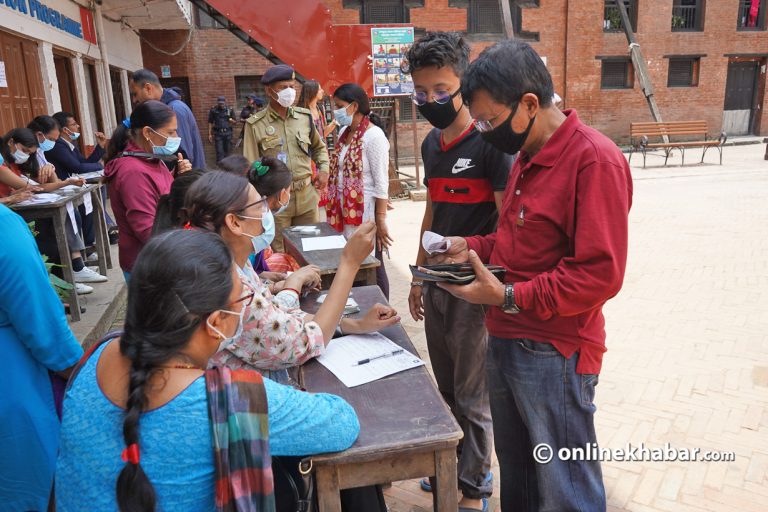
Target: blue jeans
537, 397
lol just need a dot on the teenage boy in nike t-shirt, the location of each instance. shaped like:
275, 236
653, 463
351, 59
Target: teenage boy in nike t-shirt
465, 179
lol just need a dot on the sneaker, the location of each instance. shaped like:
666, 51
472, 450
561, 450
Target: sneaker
427, 487
86, 275
113, 236
83, 289
92, 258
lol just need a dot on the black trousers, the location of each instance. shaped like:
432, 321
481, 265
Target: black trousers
223, 144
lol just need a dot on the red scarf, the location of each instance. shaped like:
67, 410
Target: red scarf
349, 209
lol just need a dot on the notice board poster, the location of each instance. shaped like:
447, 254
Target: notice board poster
388, 46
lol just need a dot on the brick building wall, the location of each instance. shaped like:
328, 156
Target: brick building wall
570, 38
576, 71
211, 61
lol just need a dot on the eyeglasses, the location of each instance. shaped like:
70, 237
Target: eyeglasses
420, 98
484, 126
262, 207
246, 299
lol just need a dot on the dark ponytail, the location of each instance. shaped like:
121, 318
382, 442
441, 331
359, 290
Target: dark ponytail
152, 113
276, 178
169, 296
170, 206
212, 197
350, 92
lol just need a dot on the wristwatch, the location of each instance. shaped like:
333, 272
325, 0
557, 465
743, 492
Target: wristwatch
509, 305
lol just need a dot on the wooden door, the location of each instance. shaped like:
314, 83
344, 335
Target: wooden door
740, 93
23, 99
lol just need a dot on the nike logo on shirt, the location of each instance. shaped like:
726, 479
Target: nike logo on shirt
462, 164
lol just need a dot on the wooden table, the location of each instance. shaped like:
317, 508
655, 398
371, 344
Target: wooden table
327, 261
57, 211
406, 429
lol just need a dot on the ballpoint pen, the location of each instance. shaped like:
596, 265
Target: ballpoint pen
388, 354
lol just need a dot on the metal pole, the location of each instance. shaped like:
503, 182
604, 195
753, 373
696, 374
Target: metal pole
416, 149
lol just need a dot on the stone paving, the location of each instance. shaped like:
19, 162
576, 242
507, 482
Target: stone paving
687, 360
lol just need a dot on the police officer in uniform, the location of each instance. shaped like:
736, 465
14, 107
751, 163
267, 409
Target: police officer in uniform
253, 105
288, 133
220, 121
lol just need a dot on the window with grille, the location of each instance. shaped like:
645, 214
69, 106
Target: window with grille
384, 11
484, 17
405, 113
245, 85
616, 74
752, 14
683, 72
612, 17
203, 20
687, 15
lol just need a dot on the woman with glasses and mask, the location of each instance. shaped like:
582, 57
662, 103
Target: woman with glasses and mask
277, 335
137, 174
147, 427
358, 186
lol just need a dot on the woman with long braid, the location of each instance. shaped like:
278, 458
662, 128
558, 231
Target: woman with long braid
146, 427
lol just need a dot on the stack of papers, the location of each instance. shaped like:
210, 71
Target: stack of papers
342, 357
323, 243
40, 199
434, 243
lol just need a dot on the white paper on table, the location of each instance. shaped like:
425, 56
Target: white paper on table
40, 199
342, 354
71, 213
306, 230
434, 243
323, 243
91, 175
87, 202
351, 303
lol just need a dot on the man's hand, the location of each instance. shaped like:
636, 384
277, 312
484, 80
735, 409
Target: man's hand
485, 289
210, 138
416, 302
321, 182
101, 139
457, 253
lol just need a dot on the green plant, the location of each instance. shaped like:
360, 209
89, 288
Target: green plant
60, 286
678, 21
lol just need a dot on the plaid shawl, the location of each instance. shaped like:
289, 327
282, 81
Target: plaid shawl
237, 406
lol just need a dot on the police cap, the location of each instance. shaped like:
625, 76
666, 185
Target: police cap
278, 73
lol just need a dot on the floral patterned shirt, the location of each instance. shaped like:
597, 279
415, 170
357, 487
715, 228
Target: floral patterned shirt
276, 335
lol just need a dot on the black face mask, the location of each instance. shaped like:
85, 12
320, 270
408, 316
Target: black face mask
504, 138
440, 116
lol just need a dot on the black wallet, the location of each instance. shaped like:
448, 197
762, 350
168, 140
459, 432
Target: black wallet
457, 273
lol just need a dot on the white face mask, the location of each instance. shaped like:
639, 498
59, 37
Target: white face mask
227, 341
286, 97
20, 157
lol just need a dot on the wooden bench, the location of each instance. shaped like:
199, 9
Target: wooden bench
639, 133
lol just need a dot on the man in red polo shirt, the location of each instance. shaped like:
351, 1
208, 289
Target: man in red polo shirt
562, 236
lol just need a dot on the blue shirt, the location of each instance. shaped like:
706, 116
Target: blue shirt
176, 444
34, 338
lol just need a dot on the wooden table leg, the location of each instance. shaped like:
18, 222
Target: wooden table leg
370, 276
66, 261
102, 240
446, 494
328, 497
